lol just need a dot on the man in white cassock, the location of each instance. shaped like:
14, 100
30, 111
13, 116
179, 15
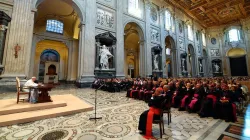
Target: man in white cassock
34, 92
104, 57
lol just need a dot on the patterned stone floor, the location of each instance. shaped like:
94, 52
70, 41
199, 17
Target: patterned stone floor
119, 121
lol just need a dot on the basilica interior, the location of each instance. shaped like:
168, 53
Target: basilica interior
110, 54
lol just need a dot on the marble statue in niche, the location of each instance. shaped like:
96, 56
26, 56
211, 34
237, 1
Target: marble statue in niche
156, 62
105, 18
200, 66
216, 67
183, 62
155, 36
104, 57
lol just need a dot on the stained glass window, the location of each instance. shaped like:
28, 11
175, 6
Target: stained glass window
133, 8
190, 33
54, 26
234, 35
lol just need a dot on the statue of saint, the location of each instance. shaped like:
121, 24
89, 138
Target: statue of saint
200, 67
183, 64
217, 67
156, 63
104, 57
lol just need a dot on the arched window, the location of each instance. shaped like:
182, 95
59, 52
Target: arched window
54, 26
190, 33
133, 7
168, 20
234, 35
203, 39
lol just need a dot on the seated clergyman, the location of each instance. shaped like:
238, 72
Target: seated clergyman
147, 117
34, 93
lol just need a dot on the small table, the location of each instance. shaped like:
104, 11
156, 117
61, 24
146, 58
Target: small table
44, 92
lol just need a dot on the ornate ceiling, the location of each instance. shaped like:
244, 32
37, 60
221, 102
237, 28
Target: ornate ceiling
214, 12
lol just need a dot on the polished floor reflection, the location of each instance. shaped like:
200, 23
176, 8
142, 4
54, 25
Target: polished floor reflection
120, 121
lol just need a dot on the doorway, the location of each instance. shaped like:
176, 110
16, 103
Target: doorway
238, 66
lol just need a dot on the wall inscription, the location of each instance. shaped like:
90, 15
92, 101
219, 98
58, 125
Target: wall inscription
105, 18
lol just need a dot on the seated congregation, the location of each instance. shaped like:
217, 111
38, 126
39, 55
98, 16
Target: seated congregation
209, 97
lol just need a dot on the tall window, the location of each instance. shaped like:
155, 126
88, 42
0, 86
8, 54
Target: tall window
203, 39
190, 33
54, 26
133, 7
234, 35
167, 20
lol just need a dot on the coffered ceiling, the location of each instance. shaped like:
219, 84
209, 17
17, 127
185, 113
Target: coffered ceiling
213, 12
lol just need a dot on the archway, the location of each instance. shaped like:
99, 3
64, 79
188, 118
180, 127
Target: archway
52, 51
133, 49
237, 60
191, 61
170, 57
56, 27
47, 55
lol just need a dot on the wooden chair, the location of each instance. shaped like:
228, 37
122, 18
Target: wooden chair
19, 92
161, 121
167, 109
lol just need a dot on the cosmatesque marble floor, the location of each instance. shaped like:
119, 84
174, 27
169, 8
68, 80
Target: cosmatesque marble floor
120, 116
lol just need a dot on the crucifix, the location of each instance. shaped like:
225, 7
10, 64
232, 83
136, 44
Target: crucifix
17, 49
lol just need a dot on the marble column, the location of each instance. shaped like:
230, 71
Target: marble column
119, 62
4, 21
87, 47
148, 59
19, 33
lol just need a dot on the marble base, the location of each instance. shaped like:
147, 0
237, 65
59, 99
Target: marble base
9, 84
85, 81
105, 74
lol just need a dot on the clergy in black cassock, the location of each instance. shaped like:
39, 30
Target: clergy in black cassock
147, 117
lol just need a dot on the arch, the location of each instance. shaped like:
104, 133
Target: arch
236, 52
56, 58
134, 44
75, 4
57, 48
191, 60
171, 58
141, 33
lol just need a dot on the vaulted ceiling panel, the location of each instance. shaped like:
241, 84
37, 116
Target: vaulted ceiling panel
214, 12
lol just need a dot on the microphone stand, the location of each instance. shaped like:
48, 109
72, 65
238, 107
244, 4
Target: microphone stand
95, 118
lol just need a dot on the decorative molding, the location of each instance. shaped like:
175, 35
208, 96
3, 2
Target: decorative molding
155, 36
215, 52
105, 18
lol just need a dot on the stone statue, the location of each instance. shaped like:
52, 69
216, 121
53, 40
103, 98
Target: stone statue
217, 67
104, 57
183, 64
200, 67
156, 62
